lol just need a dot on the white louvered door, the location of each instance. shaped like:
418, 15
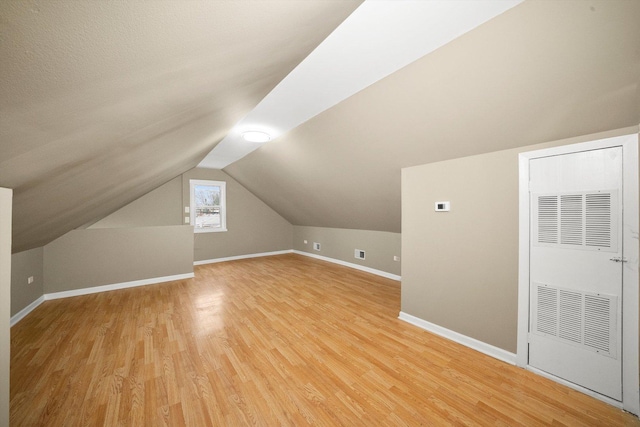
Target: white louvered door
576, 268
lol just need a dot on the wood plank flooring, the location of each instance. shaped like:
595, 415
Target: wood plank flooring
283, 340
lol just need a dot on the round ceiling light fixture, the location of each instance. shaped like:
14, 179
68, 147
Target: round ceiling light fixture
256, 136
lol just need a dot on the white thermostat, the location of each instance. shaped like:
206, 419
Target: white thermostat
443, 206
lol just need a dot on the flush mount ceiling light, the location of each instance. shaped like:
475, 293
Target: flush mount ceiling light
256, 136
397, 37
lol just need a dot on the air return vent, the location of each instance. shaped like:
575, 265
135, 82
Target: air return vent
598, 230
583, 220
547, 310
570, 316
571, 219
582, 319
548, 219
597, 333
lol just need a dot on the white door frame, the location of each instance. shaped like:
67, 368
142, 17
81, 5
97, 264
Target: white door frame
630, 294
6, 196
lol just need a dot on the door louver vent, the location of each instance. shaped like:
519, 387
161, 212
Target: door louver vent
598, 220
596, 316
547, 307
583, 319
571, 219
548, 219
570, 316
577, 221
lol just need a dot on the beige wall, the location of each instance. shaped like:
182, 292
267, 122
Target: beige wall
340, 244
252, 226
158, 207
104, 256
460, 269
23, 265
5, 298
145, 240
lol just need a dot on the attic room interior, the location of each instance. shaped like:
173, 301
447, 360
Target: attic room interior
319, 212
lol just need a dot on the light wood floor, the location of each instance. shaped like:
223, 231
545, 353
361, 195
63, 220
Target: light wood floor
284, 340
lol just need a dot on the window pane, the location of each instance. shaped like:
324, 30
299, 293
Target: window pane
207, 201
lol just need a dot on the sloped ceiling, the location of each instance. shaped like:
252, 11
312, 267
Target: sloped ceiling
101, 102
378, 39
541, 71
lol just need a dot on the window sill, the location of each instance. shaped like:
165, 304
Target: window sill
204, 230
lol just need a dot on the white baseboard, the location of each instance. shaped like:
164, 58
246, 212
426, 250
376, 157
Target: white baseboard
473, 343
93, 290
237, 257
350, 265
289, 251
116, 286
86, 291
28, 309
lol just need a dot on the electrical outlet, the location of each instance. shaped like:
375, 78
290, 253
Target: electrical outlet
359, 254
187, 219
30, 280
396, 258
186, 209
316, 246
305, 242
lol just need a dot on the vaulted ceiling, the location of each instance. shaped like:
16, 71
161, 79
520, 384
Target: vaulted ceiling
100, 102
541, 71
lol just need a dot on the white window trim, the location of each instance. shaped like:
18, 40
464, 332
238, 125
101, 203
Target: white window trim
223, 205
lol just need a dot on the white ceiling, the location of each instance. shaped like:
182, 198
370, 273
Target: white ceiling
379, 38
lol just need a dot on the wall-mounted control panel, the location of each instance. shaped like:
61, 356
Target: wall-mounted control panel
443, 206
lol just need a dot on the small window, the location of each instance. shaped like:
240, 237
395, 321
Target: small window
208, 206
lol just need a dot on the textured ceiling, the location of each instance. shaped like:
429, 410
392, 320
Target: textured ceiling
541, 71
100, 102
